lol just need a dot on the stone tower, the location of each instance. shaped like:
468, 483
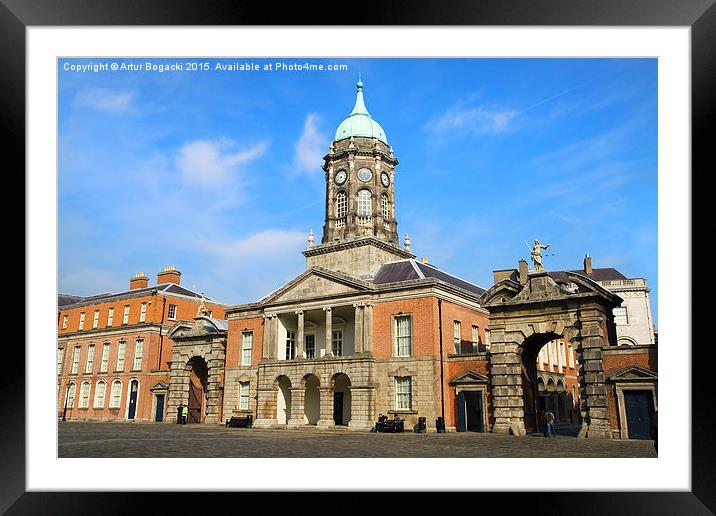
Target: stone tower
360, 198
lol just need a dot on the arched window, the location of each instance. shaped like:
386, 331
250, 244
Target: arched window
84, 395
384, 208
341, 208
116, 394
364, 207
71, 395
99, 392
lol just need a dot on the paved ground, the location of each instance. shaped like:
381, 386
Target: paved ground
85, 439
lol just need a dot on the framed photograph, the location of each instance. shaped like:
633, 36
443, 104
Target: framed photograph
140, 116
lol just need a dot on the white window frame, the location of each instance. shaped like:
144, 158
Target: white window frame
82, 321
137, 362
60, 359
337, 342
487, 339
305, 344
84, 395
172, 312
65, 320
407, 338
384, 206
121, 355
247, 347
475, 338
71, 391
570, 353
365, 202
125, 316
143, 312
104, 363
89, 360
99, 394
290, 345
110, 317
244, 395
457, 335
621, 314
403, 393
76, 360
341, 206
95, 320
113, 394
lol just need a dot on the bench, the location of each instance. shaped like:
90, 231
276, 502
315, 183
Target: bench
240, 421
391, 426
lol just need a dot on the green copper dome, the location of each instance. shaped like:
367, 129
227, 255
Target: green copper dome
359, 122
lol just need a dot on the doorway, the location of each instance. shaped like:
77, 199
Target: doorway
198, 377
639, 407
133, 390
470, 411
159, 414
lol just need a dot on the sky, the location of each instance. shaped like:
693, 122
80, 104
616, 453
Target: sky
218, 172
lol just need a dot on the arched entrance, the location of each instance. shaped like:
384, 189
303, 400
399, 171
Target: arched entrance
526, 315
283, 400
198, 381
533, 388
341, 399
312, 399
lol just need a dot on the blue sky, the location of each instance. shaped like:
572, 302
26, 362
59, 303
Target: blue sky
219, 173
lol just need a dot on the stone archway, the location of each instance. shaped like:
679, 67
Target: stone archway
341, 399
311, 399
198, 389
526, 315
283, 400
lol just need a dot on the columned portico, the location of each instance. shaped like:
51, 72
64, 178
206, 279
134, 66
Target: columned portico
300, 339
329, 331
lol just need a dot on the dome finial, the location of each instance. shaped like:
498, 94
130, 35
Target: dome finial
360, 83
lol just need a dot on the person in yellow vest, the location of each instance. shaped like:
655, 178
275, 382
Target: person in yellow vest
184, 414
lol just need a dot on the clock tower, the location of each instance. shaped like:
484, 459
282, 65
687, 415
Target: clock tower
360, 196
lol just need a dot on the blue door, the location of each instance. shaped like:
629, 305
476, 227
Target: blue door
639, 407
159, 416
133, 388
461, 412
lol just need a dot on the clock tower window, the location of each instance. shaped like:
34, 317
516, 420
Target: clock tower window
364, 207
341, 209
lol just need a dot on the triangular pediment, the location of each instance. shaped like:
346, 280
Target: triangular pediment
316, 283
159, 386
633, 374
469, 377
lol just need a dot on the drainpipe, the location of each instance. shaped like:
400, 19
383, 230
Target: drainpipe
161, 335
442, 382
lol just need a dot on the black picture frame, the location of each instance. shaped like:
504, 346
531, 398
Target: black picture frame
700, 15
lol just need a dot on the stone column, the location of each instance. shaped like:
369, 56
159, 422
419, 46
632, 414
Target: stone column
178, 386
300, 340
593, 392
297, 403
368, 328
266, 407
329, 333
266, 352
325, 419
215, 362
273, 336
358, 333
362, 407
506, 373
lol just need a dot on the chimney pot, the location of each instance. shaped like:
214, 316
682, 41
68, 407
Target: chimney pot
587, 264
169, 274
138, 281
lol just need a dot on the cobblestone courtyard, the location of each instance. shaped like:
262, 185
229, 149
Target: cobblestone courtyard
89, 439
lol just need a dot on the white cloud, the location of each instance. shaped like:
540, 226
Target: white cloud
211, 164
478, 120
103, 99
268, 244
310, 147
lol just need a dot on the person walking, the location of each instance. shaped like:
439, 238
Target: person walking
549, 424
184, 414
179, 414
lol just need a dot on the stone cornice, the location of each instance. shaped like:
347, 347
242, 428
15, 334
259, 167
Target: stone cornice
330, 247
102, 332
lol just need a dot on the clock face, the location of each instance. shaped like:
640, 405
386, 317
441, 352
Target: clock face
365, 174
340, 177
385, 179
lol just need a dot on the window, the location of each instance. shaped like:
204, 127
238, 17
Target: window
487, 339
341, 209
99, 391
95, 321
384, 206
138, 349
570, 353
337, 343
120, 355
65, 318
290, 345
243, 395
143, 313
90, 359
620, 315
71, 395
76, 360
84, 395
475, 338
247, 347
456, 335
172, 312
104, 364
82, 321
60, 358
364, 204
403, 393
125, 319
403, 337
110, 317
310, 346
116, 394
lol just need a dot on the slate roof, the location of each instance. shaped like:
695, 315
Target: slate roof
405, 270
606, 274
167, 288
67, 299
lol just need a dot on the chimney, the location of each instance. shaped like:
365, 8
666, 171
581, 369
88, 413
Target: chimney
587, 264
500, 275
169, 275
523, 272
138, 281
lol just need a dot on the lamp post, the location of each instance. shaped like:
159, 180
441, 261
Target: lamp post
64, 412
